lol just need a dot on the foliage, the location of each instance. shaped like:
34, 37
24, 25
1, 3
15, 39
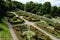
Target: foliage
46, 8
42, 9
37, 8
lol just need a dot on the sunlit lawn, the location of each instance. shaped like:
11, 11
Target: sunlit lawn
4, 31
56, 19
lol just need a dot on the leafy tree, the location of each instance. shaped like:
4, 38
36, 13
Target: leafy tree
58, 12
36, 7
8, 0
29, 6
39, 9
4, 7
18, 5
33, 7
46, 8
53, 10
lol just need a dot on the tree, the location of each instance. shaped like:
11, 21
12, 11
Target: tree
58, 12
4, 7
29, 6
53, 10
36, 8
46, 8
18, 5
9, 0
33, 7
39, 9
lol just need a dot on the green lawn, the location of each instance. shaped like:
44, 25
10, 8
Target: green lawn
56, 19
4, 31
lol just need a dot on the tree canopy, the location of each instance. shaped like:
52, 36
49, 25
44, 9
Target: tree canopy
37, 8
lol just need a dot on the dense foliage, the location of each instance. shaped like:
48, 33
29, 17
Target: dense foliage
4, 7
37, 8
42, 9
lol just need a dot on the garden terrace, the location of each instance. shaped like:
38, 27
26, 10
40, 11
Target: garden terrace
39, 35
48, 28
22, 28
20, 13
19, 31
54, 24
29, 17
15, 20
32, 18
56, 19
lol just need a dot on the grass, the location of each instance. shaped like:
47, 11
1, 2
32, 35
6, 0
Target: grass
56, 19
4, 32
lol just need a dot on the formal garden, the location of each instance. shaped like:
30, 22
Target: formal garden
50, 27
29, 20
13, 19
26, 32
29, 17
